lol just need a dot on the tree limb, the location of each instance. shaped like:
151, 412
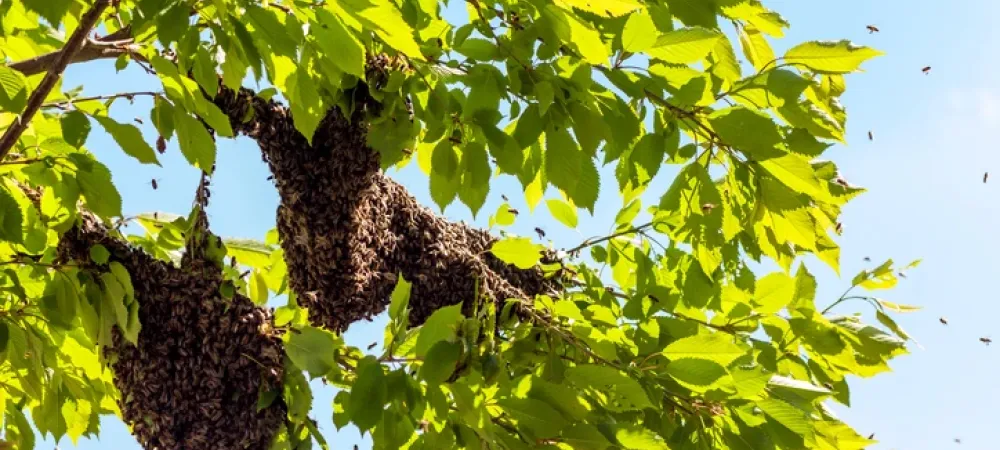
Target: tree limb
73, 46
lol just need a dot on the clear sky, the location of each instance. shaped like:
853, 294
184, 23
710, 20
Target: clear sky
926, 199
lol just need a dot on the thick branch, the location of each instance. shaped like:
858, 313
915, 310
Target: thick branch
73, 46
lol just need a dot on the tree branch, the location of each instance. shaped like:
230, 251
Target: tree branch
110, 46
75, 43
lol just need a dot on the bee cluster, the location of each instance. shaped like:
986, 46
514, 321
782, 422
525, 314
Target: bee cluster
347, 229
193, 379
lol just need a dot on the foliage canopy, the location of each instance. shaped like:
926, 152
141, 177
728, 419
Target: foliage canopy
683, 346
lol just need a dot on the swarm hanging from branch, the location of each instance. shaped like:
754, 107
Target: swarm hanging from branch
347, 229
193, 379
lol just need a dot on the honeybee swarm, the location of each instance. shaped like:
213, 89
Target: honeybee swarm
347, 229
193, 378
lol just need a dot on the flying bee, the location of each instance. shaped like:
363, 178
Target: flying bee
986, 340
867, 259
872, 29
707, 208
986, 176
138, 120
541, 232
871, 437
513, 211
504, 197
926, 70
943, 321
154, 183
161, 145
839, 228
871, 137
372, 345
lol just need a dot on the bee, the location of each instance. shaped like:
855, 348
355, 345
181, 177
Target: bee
372, 345
513, 211
958, 441
872, 29
138, 120
867, 259
926, 70
871, 137
154, 183
407, 152
707, 208
871, 437
161, 145
986, 340
943, 321
986, 176
541, 232
839, 228
504, 197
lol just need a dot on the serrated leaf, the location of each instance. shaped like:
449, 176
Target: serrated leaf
830, 57
441, 325
585, 436
75, 128
400, 299
196, 144
633, 437
787, 415
774, 292
387, 21
336, 39
10, 218
605, 8
129, 139
440, 362
696, 374
623, 393
718, 347
368, 395
685, 46
576, 33
312, 349
520, 252
563, 212
535, 415
13, 90
753, 132
95, 184
639, 34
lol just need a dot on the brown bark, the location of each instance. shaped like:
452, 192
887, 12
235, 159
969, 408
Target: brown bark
193, 378
347, 229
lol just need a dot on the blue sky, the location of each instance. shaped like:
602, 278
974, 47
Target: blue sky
926, 199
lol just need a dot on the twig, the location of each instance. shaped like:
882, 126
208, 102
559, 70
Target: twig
110, 46
590, 242
129, 95
73, 45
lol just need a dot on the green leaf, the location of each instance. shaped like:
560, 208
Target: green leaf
520, 252
312, 349
640, 33
633, 437
773, 292
99, 254
756, 48
796, 173
59, 302
248, 252
478, 49
444, 160
257, 288
563, 212
752, 131
830, 57
585, 436
897, 307
718, 347
95, 184
605, 8
539, 417
336, 39
570, 169
196, 144
4, 336
685, 46
695, 374
13, 90
387, 21
129, 139
440, 362
368, 395
694, 12
623, 393
576, 33
400, 299
75, 128
441, 325
787, 415
10, 218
